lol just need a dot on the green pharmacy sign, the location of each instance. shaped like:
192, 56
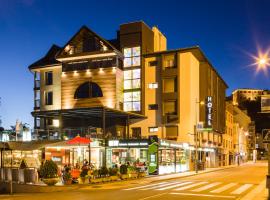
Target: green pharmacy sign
153, 155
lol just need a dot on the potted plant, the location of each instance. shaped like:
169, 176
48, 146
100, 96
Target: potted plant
48, 172
67, 178
113, 174
123, 172
132, 172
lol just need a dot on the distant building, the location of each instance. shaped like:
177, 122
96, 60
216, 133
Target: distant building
241, 95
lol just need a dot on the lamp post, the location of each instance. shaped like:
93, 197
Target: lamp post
196, 134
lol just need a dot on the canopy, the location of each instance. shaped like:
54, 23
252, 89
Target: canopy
79, 140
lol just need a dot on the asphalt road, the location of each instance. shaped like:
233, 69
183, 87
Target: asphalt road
231, 183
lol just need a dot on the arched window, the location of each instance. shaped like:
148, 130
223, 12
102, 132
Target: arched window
88, 90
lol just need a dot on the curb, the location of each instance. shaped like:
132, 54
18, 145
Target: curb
258, 193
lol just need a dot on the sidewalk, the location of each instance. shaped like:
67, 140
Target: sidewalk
189, 173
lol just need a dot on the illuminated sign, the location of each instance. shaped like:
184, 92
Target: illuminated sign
209, 111
128, 143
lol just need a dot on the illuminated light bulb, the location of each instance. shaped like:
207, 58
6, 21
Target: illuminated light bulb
114, 69
88, 71
75, 73
101, 70
63, 74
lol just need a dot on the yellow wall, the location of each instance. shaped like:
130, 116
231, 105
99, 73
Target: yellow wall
160, 41
188, 87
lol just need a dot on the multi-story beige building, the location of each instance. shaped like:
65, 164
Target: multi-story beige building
245, 94
130, 87
228, 139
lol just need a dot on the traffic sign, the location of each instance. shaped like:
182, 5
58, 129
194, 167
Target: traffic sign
266, 138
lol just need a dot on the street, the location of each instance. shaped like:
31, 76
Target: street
231, 183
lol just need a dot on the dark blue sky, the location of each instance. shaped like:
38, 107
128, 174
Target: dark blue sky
225, 30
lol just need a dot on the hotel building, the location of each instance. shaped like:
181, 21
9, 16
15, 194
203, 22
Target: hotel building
130, 87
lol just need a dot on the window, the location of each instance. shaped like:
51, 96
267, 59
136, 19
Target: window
153, 63
153, 106
132, 101
132, 79
136, 132
169, 63
169, 107
37, 119
49, 98
153, 85
49, 78
169, 85
88, 90
153, 129
132, 57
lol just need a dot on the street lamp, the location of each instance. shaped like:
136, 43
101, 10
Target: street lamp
196, 134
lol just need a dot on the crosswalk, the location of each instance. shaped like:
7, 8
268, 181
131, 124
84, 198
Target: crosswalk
196, 187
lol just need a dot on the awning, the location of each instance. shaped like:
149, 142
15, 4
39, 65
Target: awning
27, 146
89, 112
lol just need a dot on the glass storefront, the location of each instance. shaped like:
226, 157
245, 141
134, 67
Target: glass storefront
15, 157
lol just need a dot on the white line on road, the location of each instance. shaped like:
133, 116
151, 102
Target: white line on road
139, 187
206, 187
190, 186
157, 195
204, 195
174, 186
225, 187
158, 186
242, 189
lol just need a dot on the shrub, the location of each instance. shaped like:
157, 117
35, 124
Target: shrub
96, 173
67, 176
123, 169
49, 169
103, 171
23, 164
113, 171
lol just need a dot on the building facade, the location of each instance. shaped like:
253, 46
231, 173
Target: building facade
130, 87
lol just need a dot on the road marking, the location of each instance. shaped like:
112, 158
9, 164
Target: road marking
139, 187
242, 189
225, 187
204, 195
158, 186
190, 186
206, 187
157, 195
174, 186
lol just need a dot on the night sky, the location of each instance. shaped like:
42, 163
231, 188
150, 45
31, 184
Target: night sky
227, 31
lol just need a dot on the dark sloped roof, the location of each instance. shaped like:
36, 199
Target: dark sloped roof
93, 33
48, 59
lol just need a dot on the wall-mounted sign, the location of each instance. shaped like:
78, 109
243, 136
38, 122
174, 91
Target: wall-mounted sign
128, 143
209, 111
153, 155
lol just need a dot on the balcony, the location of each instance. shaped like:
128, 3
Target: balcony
37, 85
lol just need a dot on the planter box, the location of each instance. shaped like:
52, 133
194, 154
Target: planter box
124, 176
83, 180
68, 182
142, 174
106, 179
114, 178
15, 175
96, 180
50, 181
133, 175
